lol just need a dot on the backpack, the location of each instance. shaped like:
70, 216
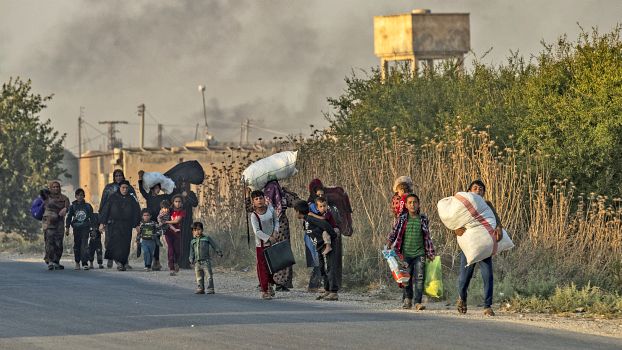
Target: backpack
37, 208
337, 197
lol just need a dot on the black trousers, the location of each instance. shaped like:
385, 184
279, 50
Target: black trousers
95, 247
81, 246
329, 271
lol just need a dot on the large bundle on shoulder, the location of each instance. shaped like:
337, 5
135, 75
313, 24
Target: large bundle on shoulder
151, 179
279, 166
469, 210
338, 198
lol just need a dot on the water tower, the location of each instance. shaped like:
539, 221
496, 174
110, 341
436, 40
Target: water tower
421, 36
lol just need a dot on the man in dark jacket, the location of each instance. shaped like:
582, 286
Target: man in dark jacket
200, 258
79, 218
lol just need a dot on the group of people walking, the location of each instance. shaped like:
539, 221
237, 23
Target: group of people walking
170, 215
321, 223
411, 240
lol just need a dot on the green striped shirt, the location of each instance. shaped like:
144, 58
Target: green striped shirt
412, 245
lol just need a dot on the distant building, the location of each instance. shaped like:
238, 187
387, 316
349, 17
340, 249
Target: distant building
421, 36
96, 167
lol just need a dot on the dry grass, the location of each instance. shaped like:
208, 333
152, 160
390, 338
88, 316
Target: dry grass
560, 236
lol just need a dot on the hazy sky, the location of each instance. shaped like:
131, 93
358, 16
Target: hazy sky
275, 62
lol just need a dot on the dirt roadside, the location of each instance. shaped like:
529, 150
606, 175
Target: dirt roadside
244, 284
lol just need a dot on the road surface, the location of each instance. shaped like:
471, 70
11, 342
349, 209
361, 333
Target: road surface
68, 309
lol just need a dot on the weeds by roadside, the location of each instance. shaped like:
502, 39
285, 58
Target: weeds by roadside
588, 300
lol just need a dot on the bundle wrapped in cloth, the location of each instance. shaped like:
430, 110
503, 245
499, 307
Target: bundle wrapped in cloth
154, 178
469, 210
278, 166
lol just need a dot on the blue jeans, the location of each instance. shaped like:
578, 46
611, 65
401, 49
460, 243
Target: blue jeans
466, 273
416, 269
148, 247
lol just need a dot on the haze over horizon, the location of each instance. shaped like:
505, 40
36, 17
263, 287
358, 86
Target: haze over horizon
275, 62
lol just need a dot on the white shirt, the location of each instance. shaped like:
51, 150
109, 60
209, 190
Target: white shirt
269, 224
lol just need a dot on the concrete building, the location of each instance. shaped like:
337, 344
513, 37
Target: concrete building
421, 36
96, 167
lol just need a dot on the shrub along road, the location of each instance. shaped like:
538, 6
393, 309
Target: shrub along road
79, 309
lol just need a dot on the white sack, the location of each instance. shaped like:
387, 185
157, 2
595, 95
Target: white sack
154, 178
454, 214
278, 166
476, 243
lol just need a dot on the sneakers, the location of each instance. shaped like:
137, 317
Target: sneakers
77, 267
322, 295
172, 273
488, 312
331, 297
50, 266
419, 307
199, 291
461, 306
109, 263
58, 266
146, 268
85, 267
210, 291
408, 304
266, 296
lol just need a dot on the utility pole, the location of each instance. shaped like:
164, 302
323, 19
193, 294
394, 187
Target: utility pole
241, 132
113, 142
160, 128
80, 121
141, 114
247, 125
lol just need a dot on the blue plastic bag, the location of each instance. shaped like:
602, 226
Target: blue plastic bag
37, 208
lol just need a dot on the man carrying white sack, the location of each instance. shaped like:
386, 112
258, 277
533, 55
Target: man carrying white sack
485, 266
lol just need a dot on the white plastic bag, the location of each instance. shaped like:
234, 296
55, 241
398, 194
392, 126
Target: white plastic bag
469, 210
278, 166
154, 178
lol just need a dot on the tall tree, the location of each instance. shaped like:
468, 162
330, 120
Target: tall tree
31, 152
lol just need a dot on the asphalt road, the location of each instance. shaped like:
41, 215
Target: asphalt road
68, 309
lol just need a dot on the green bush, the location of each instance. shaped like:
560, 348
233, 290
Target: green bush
565, 106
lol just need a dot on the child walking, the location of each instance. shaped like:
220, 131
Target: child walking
146, 238
79, 218
411, 241
265, 223
169, 220
95, 243
200, 258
